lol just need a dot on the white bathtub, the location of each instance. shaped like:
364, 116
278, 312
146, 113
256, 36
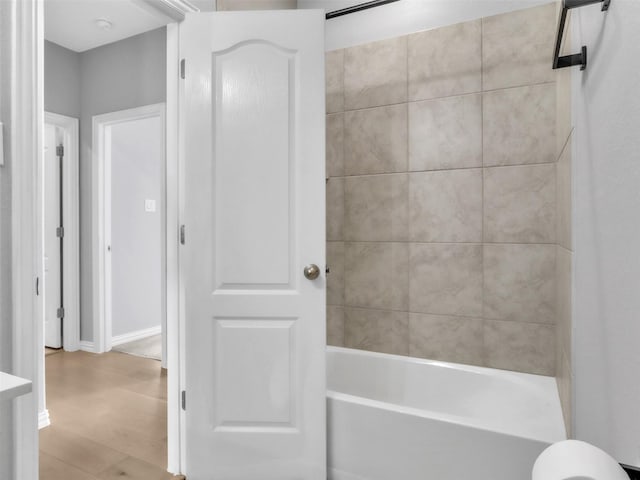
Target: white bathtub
400, 418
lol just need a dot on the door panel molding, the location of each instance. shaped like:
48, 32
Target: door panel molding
253, 188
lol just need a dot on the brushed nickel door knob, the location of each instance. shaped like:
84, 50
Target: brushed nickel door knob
312, 271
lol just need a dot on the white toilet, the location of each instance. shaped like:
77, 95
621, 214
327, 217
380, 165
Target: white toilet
575, 460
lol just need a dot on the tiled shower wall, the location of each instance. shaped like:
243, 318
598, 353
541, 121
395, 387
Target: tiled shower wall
441, 193
564, 252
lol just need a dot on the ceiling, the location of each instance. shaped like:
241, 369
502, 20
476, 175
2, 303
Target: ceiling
72, 23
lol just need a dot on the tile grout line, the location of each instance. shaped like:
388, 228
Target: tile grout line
484, 354
408, 194
466, 244
344, 164
461, 94
440, 314
453, 169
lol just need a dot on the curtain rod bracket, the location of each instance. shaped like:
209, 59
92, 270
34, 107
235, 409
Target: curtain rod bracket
577, 58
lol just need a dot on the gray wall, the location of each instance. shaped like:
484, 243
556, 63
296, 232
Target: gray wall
606, 327
122, 75
137, 163
6, 413
61, 80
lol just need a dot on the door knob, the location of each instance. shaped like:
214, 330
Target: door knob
312, 271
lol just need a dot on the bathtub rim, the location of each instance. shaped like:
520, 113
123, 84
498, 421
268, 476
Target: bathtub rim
440, 363
440, 416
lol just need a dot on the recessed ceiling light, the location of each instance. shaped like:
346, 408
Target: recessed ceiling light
103, 24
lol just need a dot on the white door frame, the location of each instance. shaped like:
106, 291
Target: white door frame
101, 214
174, 304
26, 136
71, 245
102, 322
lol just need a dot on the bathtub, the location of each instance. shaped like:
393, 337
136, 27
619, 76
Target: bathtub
400, 418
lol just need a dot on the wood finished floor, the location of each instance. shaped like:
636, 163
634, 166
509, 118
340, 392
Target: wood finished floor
108, 418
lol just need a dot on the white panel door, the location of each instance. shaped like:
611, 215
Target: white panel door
52, 256
252, 126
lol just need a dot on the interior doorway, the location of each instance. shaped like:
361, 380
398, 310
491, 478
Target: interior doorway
59, 200
130, 208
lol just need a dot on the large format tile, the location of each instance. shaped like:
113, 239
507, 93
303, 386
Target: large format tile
334, 81
448, 338
446, 279
375, 208
517, 47
335, 325
377, 330
519, 283
375, 74
335, 208
376, 275
375, 140
519, 125
564, 120
564, 380
564, 193
563, 299
520, 204
445, 61
446, 206
335, 145
523, 347
335, 278
445, 133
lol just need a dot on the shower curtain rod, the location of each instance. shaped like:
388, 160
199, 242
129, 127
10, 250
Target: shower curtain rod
577, 58
357, 8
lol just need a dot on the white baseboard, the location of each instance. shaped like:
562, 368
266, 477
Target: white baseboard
137, 335
87, 346
43, 419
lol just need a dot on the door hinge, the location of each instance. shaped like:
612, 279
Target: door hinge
183, 66
37, 286
60, 151
60, 232
182, 235
184, 399
60, 312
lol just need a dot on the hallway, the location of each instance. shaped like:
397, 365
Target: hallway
108, 418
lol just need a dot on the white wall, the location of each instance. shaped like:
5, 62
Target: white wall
255, 4
6, 409
213, 5
405, 16
606, 159
137, 237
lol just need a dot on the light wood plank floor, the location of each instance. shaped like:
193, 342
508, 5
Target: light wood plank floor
108, 418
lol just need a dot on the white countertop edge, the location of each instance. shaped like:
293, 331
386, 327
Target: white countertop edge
12, 386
